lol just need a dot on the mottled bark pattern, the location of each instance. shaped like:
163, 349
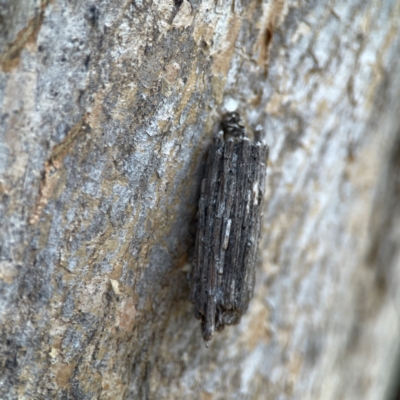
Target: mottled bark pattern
228, 232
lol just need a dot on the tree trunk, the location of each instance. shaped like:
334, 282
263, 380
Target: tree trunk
107, 111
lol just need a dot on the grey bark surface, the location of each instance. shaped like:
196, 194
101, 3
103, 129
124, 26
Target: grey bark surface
107, 110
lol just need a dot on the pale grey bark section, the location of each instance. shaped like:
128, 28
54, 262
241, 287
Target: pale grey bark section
107, 109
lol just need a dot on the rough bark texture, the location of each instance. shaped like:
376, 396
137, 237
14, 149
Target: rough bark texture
107, 109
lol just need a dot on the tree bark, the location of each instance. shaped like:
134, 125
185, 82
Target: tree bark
107, 111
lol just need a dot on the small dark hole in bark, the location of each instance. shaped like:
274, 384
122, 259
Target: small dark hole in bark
269, 34
87, 61
93, 15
